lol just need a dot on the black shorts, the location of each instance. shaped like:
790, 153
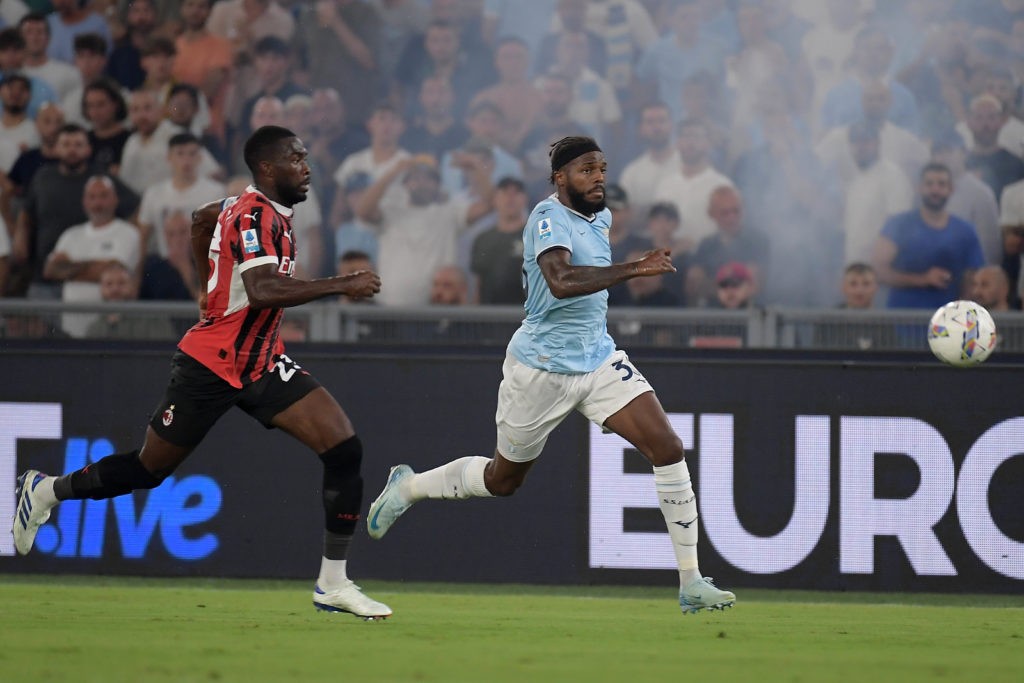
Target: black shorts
196, 398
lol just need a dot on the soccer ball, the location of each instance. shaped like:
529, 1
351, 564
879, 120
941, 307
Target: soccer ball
962, 333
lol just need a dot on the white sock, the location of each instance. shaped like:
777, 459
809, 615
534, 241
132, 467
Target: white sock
332, 574
45, 491
457, 480
679, 506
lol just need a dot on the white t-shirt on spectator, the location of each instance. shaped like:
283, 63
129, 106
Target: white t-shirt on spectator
362, 162
60, 76
144, 162
23, 136
871, 197
896, 144
691, 196
162, 200
5, 241
116, 241
641, 176
414, 242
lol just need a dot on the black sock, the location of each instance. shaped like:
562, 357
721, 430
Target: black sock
112, 476
342, 495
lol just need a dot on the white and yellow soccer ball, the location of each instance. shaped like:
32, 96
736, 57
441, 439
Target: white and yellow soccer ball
962, 333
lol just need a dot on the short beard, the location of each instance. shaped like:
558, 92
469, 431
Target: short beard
15, 109
934, 205
581, 205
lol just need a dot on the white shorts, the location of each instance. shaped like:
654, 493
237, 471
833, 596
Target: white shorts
531, 402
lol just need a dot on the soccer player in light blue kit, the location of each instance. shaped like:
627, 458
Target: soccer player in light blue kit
562, 359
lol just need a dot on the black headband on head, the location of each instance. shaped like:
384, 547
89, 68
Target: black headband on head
569, 151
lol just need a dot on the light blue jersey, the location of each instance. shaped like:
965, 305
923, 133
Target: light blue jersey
569, 335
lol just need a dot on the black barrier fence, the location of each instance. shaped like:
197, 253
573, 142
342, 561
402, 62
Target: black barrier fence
811, 473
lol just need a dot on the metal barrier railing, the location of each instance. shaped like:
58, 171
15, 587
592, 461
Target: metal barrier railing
837, 329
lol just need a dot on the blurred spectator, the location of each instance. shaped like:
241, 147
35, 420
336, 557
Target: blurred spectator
338, 46
797, 205
298, 116
622, 235
354, 234
572, 18
182, 109
828, 46
247, 22
594, 103
49, 120
436, 132
91, 62
5, 252
333, 139
353, 262
12, 12
158, 63
690, 185
497, 255
1011, 221
513, 94
993, 164
485, 123
170, 274
648, 292
204, 61
17, 129
939, 77
47, 211
144, 159
553, 123
660, 158
896, 144
679, 54
972, 199
762, 62
735, 287
125, 63
400, 21
999, 83
60, 76
877, 189
440, 52
418, 235
704, 100
272, 78
71, 18
733, 242
116, 285
385, 126
990, 288
83, 251
105, 110
181, 192
449, 287
860, 284
925, 255
12, 63
872, 56
627, 30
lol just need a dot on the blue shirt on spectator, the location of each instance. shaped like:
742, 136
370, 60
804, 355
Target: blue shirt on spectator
920, 247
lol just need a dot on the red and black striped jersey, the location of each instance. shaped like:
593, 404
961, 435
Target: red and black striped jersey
233, 340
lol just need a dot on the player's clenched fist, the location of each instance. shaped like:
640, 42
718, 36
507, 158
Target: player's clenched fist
655, 262
361, 284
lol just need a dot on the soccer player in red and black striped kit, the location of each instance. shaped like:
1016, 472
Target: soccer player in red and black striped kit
233, 356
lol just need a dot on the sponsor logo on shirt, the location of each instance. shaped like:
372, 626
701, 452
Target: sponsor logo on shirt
249, 241
544, 228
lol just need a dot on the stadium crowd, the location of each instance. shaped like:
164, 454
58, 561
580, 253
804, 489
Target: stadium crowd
799, 153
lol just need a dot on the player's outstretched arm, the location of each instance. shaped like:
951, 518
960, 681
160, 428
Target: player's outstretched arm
267, 289
566, 280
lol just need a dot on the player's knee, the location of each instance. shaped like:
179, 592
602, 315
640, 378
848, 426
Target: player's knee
667, 450
345, 459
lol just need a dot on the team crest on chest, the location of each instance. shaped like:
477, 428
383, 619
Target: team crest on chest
249, 241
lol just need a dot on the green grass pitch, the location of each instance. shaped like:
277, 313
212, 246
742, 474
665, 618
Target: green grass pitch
113, 629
